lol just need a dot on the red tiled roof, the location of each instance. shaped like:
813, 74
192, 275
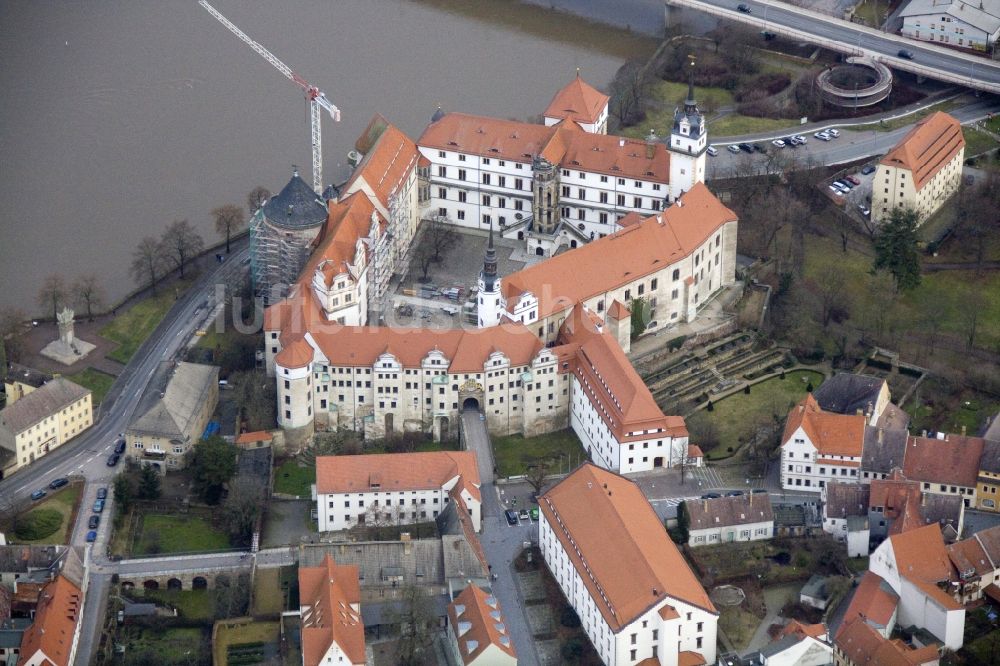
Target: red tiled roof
578, 101
255, 436
953, 460
831, 434
55, 622
928, 147
331, 591
619, 545
478, 623
874, 601
390, 157
396, 471
922, 559
863, 645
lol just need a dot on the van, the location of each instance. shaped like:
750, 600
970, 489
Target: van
712, 151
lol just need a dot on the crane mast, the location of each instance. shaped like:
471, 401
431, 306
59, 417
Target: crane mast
317, 99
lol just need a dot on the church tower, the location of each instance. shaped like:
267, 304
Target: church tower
687, 145
545, 203
488, 306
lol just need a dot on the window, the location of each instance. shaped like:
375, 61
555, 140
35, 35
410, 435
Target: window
621, 199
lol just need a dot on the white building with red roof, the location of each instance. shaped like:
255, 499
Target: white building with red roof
582, 103
330, 611
819, 447
396, 488
637, 599
477, 632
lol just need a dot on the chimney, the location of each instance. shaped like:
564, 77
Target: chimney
858, 412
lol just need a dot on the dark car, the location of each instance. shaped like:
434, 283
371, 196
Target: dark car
711, 496
768, 36
759, 148
102, 493
94, 522
744, 8
868, 169
746, 147
58, 483
734, 493
113, 460
38, 494
759, 491
91, 536
98, 506
903, 53
120, 446
511, 517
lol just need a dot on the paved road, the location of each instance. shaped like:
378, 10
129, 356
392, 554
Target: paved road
928, 60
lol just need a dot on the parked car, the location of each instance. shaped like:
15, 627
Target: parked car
102, 493
768, 36
744, 8
94, 521
903, 53
120, 444
734, 493
853, 179
746, 147
836, 190
834, 133
801, 139
523, 514
822, 136
511, 517
733, 148
38, 494
840, 188
778, 143
113, 459
759, 491
59, 483
711, 496
91, 536
759, 148
534, 513
711, 150
868, 170
98, 506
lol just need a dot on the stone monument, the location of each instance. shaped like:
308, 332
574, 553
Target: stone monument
67, 349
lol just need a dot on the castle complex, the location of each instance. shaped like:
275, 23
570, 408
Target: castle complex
632, 222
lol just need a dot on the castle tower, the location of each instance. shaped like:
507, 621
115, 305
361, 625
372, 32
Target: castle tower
489, 305
545, 204
687, 145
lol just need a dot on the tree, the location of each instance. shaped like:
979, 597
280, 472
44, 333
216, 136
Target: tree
53, 293
970, 311
228, 218
738, 52
896, 248
232, 595
147, 262
87, 292
628, 91
258, 197
214, 464
149, 483
683, 522
12, 332
441, 236
417, 623
703, 431
536, 475
640, 316
181, 243
830, 293
242, 507
122, 490
254, 395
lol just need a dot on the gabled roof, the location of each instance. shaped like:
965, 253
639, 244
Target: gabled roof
183, 399
922, 559
883, 449
40, 404
846, 393
929, 146
296, 206
990, 460
831, 434
56, 617
846, 499
328, 594
863, 645
396, 471
578, 101
980, 553
729, 511
389, 158
618, 545
478, 623
874, 601
982, 14
953, 460
625, 256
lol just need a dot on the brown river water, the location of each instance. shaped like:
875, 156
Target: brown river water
119, 116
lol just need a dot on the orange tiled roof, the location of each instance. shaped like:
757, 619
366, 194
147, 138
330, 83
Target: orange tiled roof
623, 257
578, 101
831, 434
953, 460
874, 601
331, 591
695, 452
255, 436
798, 628
689, 658
626, 560
298, 354
619, 311
395, 471
389, 157
922, 559
478, 623
863, 645
928, 147
56, 616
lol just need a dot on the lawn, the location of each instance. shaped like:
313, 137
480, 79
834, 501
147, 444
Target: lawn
737, 125
131, 328
57, 506
867, 11
228, 637
294, 478
95, 380
664, 96
738, 624
977, 142
514, 454
962, 288
267, 596
178, 534
735, 414
176, 645
197, 605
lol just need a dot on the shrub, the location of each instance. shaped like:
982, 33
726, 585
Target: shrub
676, 343
710, 406
809, 387
746, 389
569, 618
38, 524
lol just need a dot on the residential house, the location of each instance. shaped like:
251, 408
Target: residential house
968, 25
897, 504
883, 451
41, 420
477, 632
947, 464
330, 610
28, 563
977, 565
797, 645
845, 515
636, 597
52, 638
988, 479
163, 436
22, 380
860, 644
875, 602
819, 446
922, 171
848, 393
727, 519
395, 489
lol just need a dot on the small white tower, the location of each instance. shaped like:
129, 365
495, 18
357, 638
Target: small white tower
687, 145
489, 307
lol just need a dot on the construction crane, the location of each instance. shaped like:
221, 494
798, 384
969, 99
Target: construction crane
317, 99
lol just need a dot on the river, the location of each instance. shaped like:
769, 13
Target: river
119, 116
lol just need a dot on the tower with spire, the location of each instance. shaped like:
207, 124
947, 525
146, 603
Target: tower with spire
489, 302
688, 143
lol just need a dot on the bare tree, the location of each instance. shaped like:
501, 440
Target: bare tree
87, 291
12, 331
242, 506
53, 293
417, 624
258, 197
181, 243
972, 307
829, 290
228, 218
536, 474
629, 90
437, 237
147, 262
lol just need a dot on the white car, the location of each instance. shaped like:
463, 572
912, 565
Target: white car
733, 148
834, 133
836, 190
801, 139
822, 136
779, 143
712, 151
